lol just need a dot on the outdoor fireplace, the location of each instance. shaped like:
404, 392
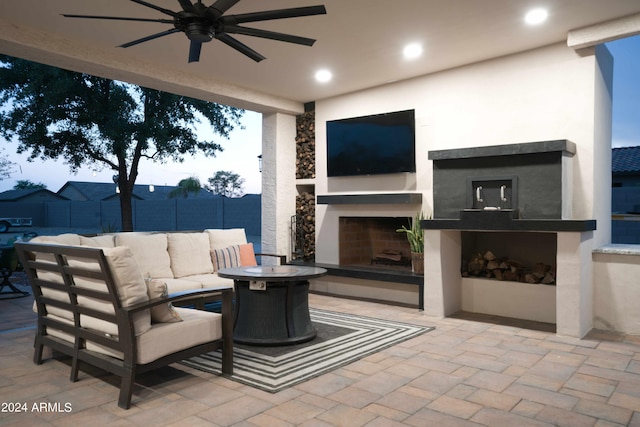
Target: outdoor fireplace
374, 242
497, 203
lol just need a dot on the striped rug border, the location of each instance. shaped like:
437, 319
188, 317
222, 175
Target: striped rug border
275, 373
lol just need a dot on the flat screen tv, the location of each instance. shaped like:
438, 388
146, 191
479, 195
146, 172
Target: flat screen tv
371, 145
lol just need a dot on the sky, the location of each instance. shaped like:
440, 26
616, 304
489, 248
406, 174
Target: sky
240, 156
242, 149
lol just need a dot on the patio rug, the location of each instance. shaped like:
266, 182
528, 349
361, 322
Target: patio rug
342, 339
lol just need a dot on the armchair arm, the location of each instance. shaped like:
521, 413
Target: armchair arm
178, 297
283, 258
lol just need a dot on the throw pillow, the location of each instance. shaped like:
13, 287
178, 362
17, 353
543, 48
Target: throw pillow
161, 313
247, 255
225, 258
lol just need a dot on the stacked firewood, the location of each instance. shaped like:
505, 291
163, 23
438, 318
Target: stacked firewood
306, 146
306, 226
489, 266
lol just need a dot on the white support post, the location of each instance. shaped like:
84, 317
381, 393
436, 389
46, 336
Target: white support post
278, 183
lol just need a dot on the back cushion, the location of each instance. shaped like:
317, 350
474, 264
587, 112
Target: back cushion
106, 241
61, 239
130, 286
190, 254
219, 239
150, 252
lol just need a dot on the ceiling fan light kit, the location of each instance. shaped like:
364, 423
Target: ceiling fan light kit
201, 24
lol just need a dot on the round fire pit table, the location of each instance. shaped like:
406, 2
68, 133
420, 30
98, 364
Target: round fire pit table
272, 303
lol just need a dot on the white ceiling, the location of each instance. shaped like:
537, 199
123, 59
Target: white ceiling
360, 41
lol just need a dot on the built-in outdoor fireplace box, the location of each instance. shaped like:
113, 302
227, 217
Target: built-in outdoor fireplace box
511, 202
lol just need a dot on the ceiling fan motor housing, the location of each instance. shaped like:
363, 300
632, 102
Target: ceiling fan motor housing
200, 31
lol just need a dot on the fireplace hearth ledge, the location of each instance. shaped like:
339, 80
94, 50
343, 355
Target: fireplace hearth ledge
503, 223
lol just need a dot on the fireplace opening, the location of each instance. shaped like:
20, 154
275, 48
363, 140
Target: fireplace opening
510, 256
374, 242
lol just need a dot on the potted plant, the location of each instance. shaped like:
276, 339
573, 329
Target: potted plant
415, 236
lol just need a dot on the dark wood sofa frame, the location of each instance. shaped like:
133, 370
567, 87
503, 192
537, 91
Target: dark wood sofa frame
125, 343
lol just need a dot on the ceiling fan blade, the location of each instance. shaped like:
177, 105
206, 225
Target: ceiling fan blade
221, 6
158, 8
234, 29
239, 46
151, 37
268, 15
120, 18
186, 5
194, 51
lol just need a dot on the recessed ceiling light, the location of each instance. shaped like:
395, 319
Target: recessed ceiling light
323, 76
412, 51
536, 16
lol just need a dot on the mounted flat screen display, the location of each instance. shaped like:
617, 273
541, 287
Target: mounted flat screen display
371, 145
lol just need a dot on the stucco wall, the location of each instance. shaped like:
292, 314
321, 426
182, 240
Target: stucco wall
617, 292
543, 94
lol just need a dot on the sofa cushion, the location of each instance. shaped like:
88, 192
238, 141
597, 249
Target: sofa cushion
162, 313
189, 254
219, 239
150, 252
105, 241
247, 255
130, 285
197, 327
226, 257
207, 281
69, 239
128, 282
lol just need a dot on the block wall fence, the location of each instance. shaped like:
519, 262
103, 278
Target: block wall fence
148, 215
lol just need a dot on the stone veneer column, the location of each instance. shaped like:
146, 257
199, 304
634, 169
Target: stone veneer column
278, 183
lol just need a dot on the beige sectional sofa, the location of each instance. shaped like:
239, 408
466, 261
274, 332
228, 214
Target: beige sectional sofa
183, 260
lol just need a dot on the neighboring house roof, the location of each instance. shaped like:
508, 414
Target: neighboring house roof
80, 190
625, 160
30, 194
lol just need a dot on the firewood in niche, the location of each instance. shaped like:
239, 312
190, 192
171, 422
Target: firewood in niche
476, 264
506, 269
548, 278
493, 265
305, 225
305, 145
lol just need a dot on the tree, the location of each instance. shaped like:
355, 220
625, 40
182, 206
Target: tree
6, 167
227, 184
186, 186
25, 184
89, 120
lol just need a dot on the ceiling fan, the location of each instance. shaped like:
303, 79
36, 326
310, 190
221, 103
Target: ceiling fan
203, 23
